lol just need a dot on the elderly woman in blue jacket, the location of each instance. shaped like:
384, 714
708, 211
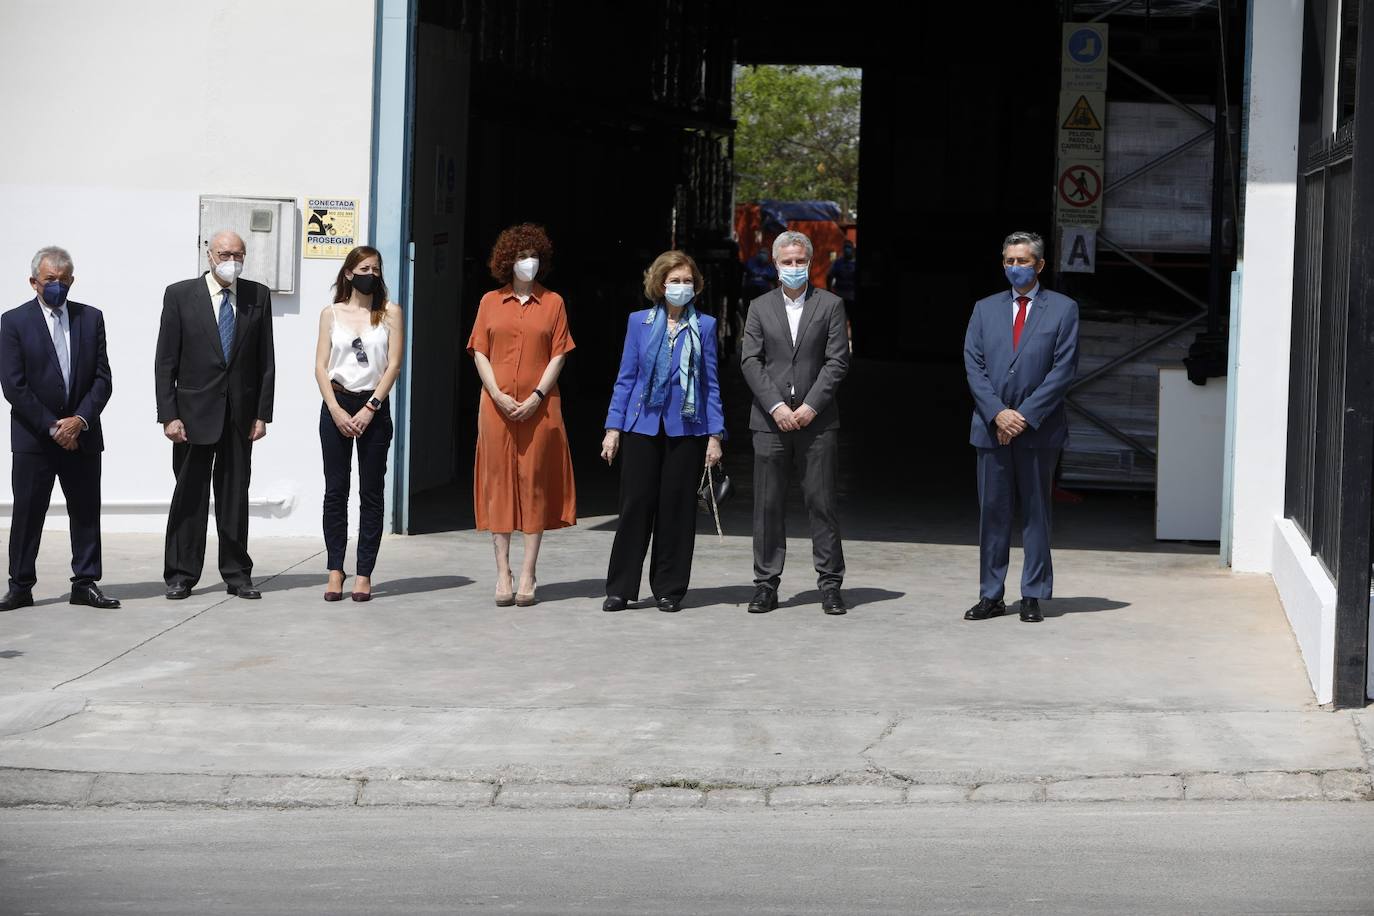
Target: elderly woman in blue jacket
665, 416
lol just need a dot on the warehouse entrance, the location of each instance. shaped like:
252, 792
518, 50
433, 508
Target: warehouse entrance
615, 131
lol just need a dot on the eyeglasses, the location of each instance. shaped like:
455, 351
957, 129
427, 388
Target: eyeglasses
229, 255
358, 351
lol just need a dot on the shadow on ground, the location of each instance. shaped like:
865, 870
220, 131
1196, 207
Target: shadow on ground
1058, 607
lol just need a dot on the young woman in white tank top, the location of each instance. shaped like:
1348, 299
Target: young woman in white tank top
357, 361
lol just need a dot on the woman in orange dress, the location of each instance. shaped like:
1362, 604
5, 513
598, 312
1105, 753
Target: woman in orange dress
523, 480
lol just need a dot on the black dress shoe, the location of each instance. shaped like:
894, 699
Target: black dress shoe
177, 592
614, 603
832, 602
1030, 610
89, 594
670, 605
14, 598
764, 600
247, 591
985, 608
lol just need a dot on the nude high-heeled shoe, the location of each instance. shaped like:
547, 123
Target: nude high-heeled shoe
523, 600
505, 599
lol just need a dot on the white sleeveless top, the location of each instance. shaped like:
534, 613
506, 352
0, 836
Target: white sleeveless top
344, 365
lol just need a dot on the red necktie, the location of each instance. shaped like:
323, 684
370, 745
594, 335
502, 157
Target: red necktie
1020, 323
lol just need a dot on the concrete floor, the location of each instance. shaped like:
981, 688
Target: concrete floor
1148, 662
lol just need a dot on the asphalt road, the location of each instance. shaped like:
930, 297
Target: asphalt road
1022, 859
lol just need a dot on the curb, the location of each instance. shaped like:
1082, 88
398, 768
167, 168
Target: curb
25, 788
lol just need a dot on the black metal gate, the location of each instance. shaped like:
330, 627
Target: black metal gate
1331, 403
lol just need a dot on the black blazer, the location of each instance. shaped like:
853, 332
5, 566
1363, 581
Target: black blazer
193, 381
32, 379
809, 372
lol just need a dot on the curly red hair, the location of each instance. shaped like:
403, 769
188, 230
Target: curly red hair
514, 241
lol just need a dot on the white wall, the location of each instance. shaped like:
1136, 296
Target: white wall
1262, 539
1309, 600
119, 115
1266, 266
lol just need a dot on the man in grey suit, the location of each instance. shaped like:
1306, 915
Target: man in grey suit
1020, 355
794, 354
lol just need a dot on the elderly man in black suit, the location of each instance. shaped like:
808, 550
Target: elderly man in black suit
794, 354
214, 376
56, 376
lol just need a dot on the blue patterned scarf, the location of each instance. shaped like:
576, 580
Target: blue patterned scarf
655, 359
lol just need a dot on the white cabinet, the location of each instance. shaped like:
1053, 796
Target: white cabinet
1192, 446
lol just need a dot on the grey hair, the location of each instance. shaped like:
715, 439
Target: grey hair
1033, 239
792, 237
58, 256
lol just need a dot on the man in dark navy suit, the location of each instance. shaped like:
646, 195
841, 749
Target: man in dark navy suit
1020, 355
56, 376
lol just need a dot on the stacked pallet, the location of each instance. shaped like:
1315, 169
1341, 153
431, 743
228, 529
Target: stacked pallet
1127, 397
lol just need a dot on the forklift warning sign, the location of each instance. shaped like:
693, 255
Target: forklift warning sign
1081, 116
330, 227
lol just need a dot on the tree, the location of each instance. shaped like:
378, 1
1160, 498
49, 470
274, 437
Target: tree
798, 134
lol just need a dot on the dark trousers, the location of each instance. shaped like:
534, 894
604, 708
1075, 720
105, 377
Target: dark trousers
31, 480
1007, 476
224, 466
812, 456
658, 499
337, 449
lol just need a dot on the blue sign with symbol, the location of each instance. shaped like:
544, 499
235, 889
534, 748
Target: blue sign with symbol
1085, 46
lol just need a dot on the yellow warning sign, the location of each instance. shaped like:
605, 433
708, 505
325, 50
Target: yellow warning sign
1082, 123
1082, 116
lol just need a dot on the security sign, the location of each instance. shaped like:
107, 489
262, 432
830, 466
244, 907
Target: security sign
1078, 201
330, 227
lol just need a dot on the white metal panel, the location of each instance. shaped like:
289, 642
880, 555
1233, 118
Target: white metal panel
270, 230
1192, 438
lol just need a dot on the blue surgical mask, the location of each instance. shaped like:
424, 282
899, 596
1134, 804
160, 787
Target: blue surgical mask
794, 277
679, 294
1020, 275
55, 293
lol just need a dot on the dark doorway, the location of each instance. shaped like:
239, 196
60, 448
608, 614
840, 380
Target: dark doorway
610, 124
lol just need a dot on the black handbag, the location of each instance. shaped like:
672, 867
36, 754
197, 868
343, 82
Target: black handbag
713, 490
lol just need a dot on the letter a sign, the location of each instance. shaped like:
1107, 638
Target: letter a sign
1078, 250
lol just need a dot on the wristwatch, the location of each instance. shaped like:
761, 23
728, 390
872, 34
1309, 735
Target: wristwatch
540, 393
375, 404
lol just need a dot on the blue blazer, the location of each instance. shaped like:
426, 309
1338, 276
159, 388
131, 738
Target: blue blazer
32, 379
628, 410
1033, 379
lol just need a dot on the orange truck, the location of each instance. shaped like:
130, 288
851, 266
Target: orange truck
758, 223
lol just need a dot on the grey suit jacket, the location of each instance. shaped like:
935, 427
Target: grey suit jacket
807, 373
1032, 378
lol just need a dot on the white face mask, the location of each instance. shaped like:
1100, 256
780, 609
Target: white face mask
526, 268
229, 271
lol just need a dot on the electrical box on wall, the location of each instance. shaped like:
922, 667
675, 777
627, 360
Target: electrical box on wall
270, 236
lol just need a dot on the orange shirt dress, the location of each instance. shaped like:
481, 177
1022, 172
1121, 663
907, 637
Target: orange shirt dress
523, 478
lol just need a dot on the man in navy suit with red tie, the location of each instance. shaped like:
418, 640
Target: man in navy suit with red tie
1020, 355
56, 376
